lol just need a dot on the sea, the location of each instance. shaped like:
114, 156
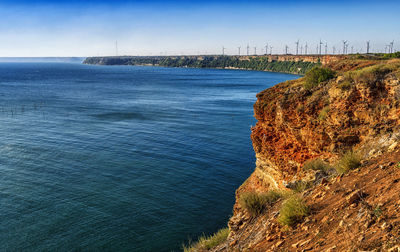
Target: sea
121, 158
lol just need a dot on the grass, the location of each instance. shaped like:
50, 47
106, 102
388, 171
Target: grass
301, 186
208, 242
317, 75
349, 161
377, 211
323, 114
345, 85
257, 203
371, 75
316, 165
293, 210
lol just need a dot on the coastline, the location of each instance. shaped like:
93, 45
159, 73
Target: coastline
291, 64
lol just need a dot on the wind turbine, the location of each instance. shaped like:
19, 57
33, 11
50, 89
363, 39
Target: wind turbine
344, 46
368, 47
248, 47
239, 50
223, 50
266, 49
320, 45
286, 49
305, 49
297, 47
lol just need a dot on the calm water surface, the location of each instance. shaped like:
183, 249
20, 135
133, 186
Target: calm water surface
101, 158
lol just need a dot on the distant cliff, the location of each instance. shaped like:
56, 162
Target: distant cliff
297, 64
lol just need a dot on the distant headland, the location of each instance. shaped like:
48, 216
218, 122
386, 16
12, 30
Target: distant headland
296, 64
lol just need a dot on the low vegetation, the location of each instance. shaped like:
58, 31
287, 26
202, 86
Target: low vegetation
208, 242
316, 76
293, 210
346, 84
377, 211
349, 161
317, 165
371, 75
301, 186
389, 55
257, 203
323, 114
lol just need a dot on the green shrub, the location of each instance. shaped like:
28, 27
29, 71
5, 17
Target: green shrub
317, 75
301, 186
345, 85
323, 113
208, 242
316, 165
391, 55
256, 203
293, 210
349, 161
377, 211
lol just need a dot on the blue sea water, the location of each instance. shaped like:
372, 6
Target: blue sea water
121, 158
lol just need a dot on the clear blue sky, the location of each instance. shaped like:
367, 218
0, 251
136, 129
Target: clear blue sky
73, 28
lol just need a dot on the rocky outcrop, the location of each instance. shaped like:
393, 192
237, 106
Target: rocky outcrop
359, 109
295, 124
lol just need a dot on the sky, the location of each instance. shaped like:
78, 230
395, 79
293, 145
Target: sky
47, 28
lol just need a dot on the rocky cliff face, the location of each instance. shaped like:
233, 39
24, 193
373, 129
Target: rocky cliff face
358, 109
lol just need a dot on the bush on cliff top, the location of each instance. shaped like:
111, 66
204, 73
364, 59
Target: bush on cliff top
293, 210
208, 242
317, 75
257, 203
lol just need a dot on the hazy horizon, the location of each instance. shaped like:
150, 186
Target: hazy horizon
72, 29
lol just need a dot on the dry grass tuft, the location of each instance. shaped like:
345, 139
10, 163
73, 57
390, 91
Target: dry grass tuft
293, 210
208, 242
349, 161
257, 203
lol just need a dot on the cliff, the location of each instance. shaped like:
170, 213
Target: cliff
328, 145
297, 64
